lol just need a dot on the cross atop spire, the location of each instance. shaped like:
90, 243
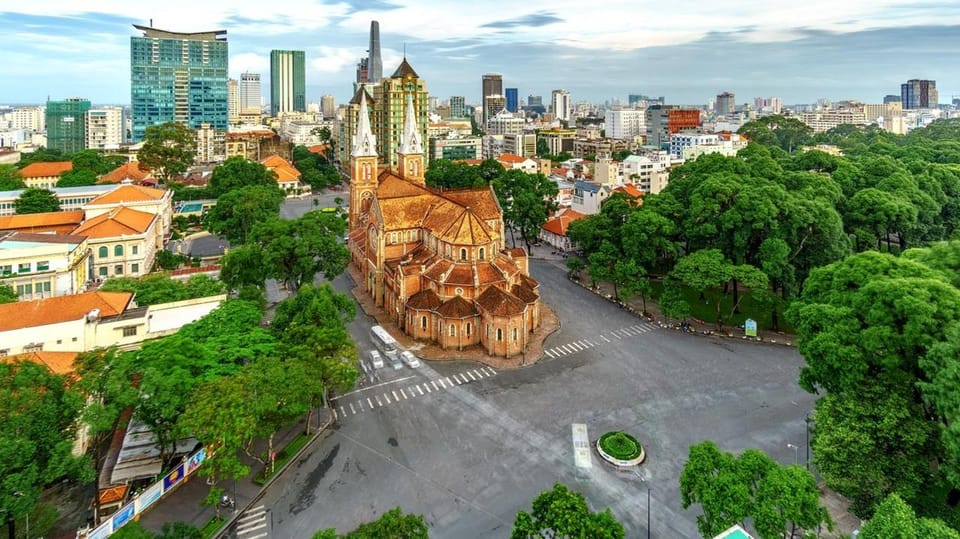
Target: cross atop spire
364, 142
410, 142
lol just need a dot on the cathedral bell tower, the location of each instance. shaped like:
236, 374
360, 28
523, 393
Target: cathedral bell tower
411, 159
363, 170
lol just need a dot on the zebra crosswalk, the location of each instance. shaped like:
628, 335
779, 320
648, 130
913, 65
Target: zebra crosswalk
357, 403
253, 524
604, 338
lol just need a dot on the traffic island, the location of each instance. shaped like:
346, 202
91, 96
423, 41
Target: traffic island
620, 449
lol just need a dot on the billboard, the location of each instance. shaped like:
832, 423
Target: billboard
173, 478
103, 531
123, 515
149, 497
196, 459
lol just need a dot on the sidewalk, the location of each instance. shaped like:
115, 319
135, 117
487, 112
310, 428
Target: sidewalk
185, 504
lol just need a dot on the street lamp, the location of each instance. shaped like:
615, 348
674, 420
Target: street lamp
796, 453
644, 481
806, 421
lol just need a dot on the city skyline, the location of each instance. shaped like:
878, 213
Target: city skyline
850, 51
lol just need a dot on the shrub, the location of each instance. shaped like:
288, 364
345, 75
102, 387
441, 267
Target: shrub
620, 445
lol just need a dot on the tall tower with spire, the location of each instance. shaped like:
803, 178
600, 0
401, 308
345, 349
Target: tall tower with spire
363, 170
374, 66
410, 152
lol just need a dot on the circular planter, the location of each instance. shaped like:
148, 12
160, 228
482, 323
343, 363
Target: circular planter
620, 449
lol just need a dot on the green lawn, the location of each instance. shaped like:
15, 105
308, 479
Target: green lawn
282, 457
706, 309
211, 527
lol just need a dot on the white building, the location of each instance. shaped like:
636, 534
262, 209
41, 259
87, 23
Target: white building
588, 197
233, 101
650, 172
560, 105
680, 141
44, 265
625, 124
211, 144
506, 123
158, 202
328, 107
105, 128
32, 119
492, 146
124, 242
524, 144
249, 93
71, 198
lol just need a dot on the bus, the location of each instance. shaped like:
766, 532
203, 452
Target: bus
384, 342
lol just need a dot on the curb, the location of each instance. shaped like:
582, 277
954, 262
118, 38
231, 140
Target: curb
322, 432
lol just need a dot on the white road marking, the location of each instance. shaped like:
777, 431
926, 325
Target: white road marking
581, 446
368, 388
472, 377
435, 385
370, 402
492, 372
378, 400
478, 373
444, 386
351, 409
571, 349
604, 338
587, 343
457, 380
449, 383
425, 386
360, 405
342, 411
420, 390
615, 334
404, 394
395, 397
549, 354
364, 366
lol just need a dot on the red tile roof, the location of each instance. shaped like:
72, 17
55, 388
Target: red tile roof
457, 307
500, 303
127, 171
46, 170
511, 158
56, 362
55, 221
559, 224
117, 222
42, 312
129, 193
629, 190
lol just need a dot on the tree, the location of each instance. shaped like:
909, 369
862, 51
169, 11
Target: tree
526, 200
708, 269
237, 211
730, 489
36, 200
391, 525
77, 178
7, 294
894, 519
563, 513
41, 155
169, 149
630, 279
160, 288
38, 425
10, 179
575, 264
94, 162
446, 174
295, 251
243, 266
238, 172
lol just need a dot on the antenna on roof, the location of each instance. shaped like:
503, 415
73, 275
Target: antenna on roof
151, 23
404, 50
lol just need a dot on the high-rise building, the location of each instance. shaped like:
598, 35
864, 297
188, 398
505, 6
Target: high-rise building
31, 119
178, 77
493, 104
233, 100
288, 82
513, 99
919, 94
492, 84
560, 105
458, 106
374, 65
624, 124
328, 107
250, 93
105, 128
389, 109
67, 124
534, 100
891, 98
768, 104
638, 99
363, 73
726, 103
666, 120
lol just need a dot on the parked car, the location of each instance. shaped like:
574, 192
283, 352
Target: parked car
396, 363
376, 359
410, 359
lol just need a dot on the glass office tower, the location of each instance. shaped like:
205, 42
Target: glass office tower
178, 77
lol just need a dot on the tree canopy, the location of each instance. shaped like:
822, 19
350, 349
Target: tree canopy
36, 200
393, 524
238, 172
160, 288
169, 149
563, 513
239, 210
10, 179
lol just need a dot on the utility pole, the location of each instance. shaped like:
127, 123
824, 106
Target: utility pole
644, 481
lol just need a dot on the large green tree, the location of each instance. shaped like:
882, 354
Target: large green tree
36, 200
77, 178
894, 519
160, 288
10, 179
239, 210
563, 513
446, 174
169, 149
294, 251
237, 173
393, 524
526, 199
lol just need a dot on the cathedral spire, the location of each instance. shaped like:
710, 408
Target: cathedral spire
410, 142
364, 141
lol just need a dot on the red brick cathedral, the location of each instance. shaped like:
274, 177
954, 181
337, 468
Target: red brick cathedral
436, 261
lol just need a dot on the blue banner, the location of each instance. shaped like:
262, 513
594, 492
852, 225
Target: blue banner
173, 478
123, 515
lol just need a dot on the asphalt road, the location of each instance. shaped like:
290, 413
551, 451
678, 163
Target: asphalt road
468, 447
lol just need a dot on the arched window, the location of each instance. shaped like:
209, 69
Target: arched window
423, 322
482, 252
468, 329
499, 334
103, 252
453, 330
514, 334
463, 254
118, 250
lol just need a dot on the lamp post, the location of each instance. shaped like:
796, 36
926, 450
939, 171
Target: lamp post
796, 453
806, 421
644, 481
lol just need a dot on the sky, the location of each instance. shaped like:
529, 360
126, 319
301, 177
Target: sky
688, 51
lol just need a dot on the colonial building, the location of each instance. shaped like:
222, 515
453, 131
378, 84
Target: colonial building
436, 261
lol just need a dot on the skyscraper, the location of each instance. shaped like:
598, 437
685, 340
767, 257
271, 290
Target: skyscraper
328, 107
390, 102
458, 106
250, 93
178, 77
513, 99
104, 130
374, 65
726, 103
492, 85
560, 104
67, 124
288, 82
919, 94
233, 100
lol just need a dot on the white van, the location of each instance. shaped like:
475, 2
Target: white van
376, 359
410, 359
384, 342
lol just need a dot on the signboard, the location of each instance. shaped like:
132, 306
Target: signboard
149, 497
750, 327
102, 532
173, 478
196, 459
123, 515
